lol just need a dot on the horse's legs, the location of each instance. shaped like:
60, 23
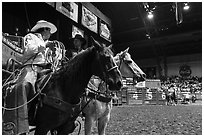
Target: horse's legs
102, 124
46, 119
171, 101
40, 131
66, 128
167, 100
175, 101
88, 124
53, 132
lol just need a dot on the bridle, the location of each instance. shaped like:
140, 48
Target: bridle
107, 70
114, 67
121, 60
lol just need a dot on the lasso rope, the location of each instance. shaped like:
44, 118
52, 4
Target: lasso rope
59, 54
54, 61
12, 74
30, 99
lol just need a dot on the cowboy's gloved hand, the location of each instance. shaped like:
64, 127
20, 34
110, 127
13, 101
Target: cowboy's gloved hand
41, 49
51, 45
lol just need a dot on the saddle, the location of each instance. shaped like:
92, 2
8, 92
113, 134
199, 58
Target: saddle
71, 110
16, 115
15, 120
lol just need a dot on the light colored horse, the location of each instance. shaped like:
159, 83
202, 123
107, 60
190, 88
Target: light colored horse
97, 105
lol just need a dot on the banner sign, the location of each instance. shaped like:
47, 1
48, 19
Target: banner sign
140, 84
69, 9
185, 70
76, 30
89, 20
105, 30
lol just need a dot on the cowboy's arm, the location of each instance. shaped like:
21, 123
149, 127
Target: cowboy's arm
32, 46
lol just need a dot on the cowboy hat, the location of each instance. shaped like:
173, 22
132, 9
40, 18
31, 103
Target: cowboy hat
44, 24
78, 36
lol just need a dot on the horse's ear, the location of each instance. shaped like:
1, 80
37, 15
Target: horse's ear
125, 51
95, 43
110, 46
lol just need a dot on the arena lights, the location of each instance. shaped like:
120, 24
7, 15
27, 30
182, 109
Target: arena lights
148, 36
150, 15
149, 8
186, 6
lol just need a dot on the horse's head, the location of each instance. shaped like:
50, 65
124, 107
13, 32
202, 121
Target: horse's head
105, 66
125, 58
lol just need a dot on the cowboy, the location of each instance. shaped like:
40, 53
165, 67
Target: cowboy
34, 58
34, 61
79, 45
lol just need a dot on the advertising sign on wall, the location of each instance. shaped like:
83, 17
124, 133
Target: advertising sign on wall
69, 9
105, 30
185, 70
76, 30
89, 20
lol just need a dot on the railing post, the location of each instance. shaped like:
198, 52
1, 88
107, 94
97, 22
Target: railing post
143, 95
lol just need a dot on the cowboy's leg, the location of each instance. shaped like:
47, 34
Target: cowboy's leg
19, 98
22, 112
27, 75
16, 100
31, 75
24, 89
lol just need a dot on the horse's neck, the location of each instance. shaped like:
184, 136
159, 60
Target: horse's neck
78, 75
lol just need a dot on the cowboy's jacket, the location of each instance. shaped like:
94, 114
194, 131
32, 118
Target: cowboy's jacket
32, 53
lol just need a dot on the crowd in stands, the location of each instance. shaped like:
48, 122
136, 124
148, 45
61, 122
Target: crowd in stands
192, 84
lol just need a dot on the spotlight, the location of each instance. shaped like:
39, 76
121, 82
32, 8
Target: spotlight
150, 15
186, 6
148, 36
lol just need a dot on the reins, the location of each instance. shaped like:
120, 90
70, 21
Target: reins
114, 67
97, 91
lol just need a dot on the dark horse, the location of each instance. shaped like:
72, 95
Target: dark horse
61, 97
69, 84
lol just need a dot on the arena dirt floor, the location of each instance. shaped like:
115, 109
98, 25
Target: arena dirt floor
183, 119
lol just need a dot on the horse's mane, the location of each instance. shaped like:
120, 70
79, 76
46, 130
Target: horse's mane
108, 51
73, 65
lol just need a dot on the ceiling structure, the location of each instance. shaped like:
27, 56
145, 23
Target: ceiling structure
160, 36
